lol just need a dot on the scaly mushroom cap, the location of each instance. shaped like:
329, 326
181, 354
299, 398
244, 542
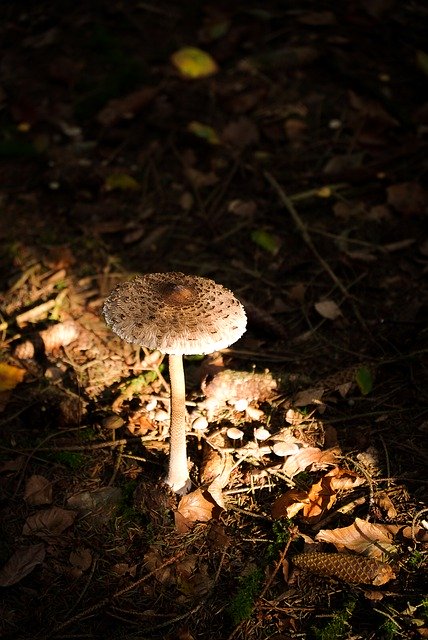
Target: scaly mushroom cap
175, 313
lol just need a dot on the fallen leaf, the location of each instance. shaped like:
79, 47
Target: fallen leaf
12, 466
323, 495
21, 563
266, 241
342, 479
373, 540
127, 107
203, 131
81, 558
309, 458
194, 63
364, 380
38, 490
289, 504
244, 208
199, 179
317, 18
121, 182
123, 568
328, 309
49, 522
409, 198
10, 376
197, 506
154, 562
383, 500
241, 133
309, 396
100, 504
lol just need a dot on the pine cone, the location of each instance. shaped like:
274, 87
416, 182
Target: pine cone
347, 567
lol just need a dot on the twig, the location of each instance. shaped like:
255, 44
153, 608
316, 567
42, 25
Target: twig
33, 451
268, 583
303, 230
117, 464
277, 566
102, 603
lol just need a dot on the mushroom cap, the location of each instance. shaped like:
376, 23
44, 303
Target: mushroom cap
175, 313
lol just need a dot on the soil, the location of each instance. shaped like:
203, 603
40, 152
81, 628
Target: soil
288, 166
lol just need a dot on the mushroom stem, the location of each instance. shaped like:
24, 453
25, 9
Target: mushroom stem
178, 473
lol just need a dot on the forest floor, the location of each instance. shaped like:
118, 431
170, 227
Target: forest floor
283, 156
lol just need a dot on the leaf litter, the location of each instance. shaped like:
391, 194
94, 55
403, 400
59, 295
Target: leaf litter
146, 160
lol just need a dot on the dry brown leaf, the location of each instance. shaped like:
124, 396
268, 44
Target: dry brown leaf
372, 110
241, 133
123, 568
341, 479
363, 537
11, 466
328, 309
81, 558
321, 498
409, 198
383, 500
196, 585
127, 107
317, 18
49, 522
153, 562
289, 504
309, 458
215, 465
199, 179
21, 564
197, 506
322, 495
38, 490
309, 396
10, 376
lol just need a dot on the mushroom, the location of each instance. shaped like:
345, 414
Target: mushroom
179, 315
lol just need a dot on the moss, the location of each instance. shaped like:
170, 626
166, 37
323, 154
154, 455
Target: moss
281, 534
70, 459
242, 603
338, 626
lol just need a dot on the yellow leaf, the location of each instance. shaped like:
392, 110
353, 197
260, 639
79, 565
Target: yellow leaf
203, 131
194, 63
10, 376
324, 192
121, 182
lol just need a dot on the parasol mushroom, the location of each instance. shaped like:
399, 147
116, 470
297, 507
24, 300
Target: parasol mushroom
179, 315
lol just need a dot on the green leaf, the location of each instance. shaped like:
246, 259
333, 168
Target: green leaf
194, 63
121, 182
266, 241
364, 380
203, 131
422, 61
